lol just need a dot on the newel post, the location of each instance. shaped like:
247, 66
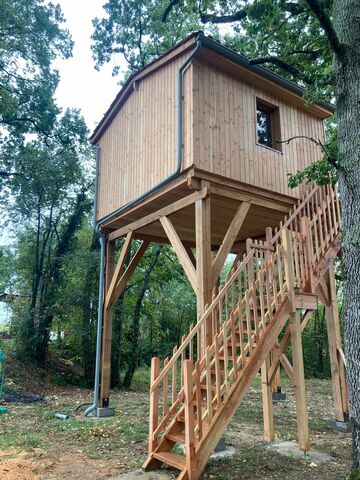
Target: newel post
305, 230
189, 420
154, 403
288, 266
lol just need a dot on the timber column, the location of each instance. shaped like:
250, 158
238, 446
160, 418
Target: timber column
203, 265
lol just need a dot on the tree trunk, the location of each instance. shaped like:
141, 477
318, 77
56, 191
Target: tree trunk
89, 295
134, 357
48, 307
347, 72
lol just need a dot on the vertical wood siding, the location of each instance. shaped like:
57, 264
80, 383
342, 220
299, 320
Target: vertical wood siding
138, 149
225, 137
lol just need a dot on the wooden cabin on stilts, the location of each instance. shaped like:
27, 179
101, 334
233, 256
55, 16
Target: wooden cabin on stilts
195, 151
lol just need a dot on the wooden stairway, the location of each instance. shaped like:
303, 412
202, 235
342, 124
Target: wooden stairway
198, 390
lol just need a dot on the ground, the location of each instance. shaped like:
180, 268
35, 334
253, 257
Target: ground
34, 445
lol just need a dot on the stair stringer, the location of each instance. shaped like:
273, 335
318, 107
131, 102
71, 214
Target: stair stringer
240, 387
326, 260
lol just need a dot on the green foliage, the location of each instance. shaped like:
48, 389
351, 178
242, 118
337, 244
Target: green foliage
31, 38
135, 30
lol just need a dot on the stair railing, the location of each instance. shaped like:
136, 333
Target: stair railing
245, 304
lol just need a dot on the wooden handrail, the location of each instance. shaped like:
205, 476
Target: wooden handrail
202, 320
295, 213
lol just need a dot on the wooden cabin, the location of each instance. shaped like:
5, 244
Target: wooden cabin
195, 151
231, 114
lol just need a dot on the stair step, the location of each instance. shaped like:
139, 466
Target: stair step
172, 459
177, 437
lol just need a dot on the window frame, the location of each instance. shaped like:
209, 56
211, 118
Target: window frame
275, 130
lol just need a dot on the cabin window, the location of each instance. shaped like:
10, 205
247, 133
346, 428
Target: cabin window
268, 125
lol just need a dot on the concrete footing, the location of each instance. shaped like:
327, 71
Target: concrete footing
344, 427
278, 396
291, 449
105, 412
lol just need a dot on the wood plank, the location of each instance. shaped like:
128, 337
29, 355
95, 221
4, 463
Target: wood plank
128, 273
116, 276
229, 240
180, 251
154, 404
299, 382
203, 262
162, 212
107, 330
189, 420
268, 415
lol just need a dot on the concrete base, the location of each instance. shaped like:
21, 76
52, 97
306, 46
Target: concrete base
227, 452
221, 446
278, 396
344, 427
105, 412
169, 475
140, 475
291, 449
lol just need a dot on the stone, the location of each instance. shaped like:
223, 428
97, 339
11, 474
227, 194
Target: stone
105, 412
291, 449
344, 427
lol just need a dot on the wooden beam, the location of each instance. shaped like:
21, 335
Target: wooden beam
268, 414
279, 349
203, 263
287, 366
127, 274
107, 330
180, 251
245, 197
163, 212
189, 420
228, 241
190, 254
334, 339
116, 276
299, 382
323, 292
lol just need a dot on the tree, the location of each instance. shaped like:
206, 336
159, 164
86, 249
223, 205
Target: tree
30, 38
316, 42
48, 193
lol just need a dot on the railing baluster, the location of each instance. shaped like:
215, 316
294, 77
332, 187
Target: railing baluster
154, 403
208, 385
198, 399
225, 344
165, 390
174, 378
217, 371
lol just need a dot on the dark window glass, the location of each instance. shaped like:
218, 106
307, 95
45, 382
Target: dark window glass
264, 126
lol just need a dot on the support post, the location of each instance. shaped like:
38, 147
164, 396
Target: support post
154, 404
203, 265
340, 392
299, 382
107, 330
189, 420
268, 414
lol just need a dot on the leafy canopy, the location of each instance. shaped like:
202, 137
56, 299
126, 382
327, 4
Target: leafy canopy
30, 38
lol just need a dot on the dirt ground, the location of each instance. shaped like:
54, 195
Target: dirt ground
34, 445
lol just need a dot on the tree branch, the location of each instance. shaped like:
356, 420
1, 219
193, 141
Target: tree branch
326, 24
234, 17
280, 63
168, 9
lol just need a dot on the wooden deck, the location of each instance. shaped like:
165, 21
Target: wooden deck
176, 200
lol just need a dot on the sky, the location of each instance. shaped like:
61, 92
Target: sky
81, 86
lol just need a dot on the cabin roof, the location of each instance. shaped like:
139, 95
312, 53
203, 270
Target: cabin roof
323, 109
